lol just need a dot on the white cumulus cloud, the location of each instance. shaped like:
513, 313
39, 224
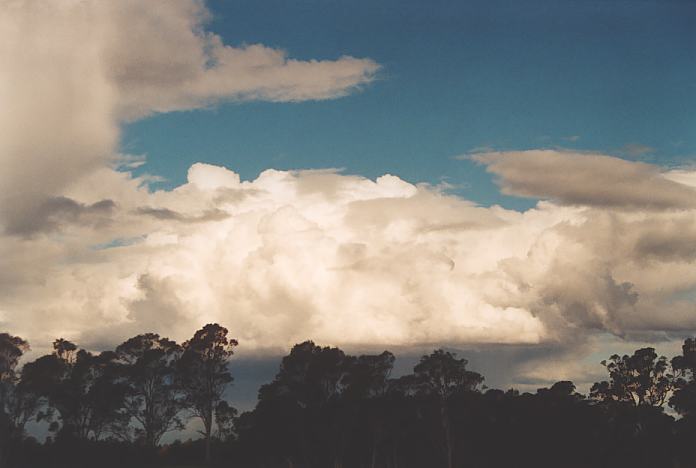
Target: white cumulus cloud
347, 260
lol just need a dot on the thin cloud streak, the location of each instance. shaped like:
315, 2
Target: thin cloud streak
589, 179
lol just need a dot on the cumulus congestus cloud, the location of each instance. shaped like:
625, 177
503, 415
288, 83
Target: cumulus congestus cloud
350, 261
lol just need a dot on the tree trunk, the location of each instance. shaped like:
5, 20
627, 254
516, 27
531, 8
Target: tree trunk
208, 423
4, 444
207, 448
447, 433
373, 463
4, 429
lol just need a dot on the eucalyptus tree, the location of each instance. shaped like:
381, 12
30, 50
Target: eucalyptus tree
367, 376
204, 374
147, 366
641, 379
13, 408
80, 386
11, 350
17, 406
683, 399
440, 376
366, 383
301, 406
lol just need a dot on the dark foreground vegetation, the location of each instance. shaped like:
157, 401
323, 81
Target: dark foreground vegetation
329, 409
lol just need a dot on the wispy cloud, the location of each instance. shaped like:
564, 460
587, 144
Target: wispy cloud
636, 150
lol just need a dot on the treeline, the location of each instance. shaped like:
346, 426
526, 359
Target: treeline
329, 409
120, 402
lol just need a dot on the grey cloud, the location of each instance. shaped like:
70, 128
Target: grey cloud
590, 299
624, 273
166, 214
671, 240
183, 66
586, 179
55, 212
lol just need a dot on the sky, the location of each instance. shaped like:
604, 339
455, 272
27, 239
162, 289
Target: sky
610, 76
511, 179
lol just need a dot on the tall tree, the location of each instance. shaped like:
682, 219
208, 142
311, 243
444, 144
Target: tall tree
366, 383
21, 405
148, 364
641, 379
684, 398
367, 376
441, 375
300, 404
79, 386
16, 408
204, 374
312, 375
11, 350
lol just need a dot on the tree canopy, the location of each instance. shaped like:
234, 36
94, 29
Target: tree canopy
329, 408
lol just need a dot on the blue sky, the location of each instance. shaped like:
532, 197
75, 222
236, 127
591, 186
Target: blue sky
611, 76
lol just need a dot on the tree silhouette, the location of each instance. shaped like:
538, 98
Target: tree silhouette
306, 389
640, 379
225, 420
326, 408
367, 376
16, 409
312, 375
21, 405
204, 374
80, 387
65, 350
11, 350
148, 364
684, 398
366, 384
441, 375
